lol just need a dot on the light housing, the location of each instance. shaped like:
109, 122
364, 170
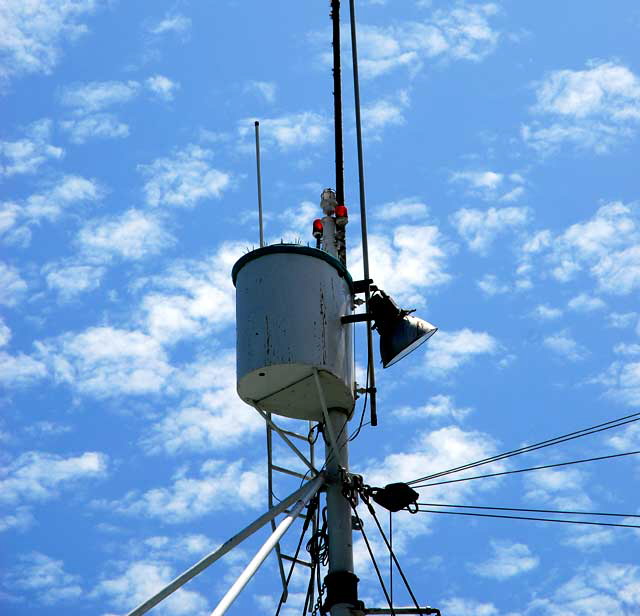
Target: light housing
342, 215
400, 333
318, 228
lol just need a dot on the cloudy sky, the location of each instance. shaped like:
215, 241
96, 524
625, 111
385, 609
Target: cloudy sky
502, 160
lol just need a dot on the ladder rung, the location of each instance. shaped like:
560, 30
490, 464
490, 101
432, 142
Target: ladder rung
286, 471
290, 433
304, 563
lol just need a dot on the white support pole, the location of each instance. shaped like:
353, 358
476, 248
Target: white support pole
311, 487
269, 544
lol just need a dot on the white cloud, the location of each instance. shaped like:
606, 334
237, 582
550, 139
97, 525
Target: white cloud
622, 380
134, 582
384, 112
563, 344
72, 279
458, 606
622, 320
266, 89
393, 258
490, 285
5, 333
44, 578
626, 349
509, 559
20, 369
193, 298
605, 588
37, 476
607, 246
133, 235
96, 96
29, 153
408, 209
562, 488
592, 108
479, 179
68, 190
19, 519
177, 547
104, 361
162, 87
462, 33
585, 303
32, 33
216, 420
626, 440
294, 130
547, 313
437, 406
175, 22
98, 125
479, 228
12, 286
222, 485
447, 351
185, 179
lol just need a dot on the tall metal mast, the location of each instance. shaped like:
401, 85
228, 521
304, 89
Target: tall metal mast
341, 582
337, 101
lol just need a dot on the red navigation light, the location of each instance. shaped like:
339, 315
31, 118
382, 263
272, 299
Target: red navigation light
317, 228
342, 216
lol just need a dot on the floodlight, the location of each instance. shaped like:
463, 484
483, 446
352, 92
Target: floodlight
399, 332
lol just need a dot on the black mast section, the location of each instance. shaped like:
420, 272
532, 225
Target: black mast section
337, 101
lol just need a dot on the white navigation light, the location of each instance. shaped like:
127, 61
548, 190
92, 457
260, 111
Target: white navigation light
400, 333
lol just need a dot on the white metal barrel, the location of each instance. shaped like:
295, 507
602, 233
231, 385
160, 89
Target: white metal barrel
289, 300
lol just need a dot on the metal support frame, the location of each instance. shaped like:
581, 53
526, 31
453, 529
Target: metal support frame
284, 437
310, 488
268, 545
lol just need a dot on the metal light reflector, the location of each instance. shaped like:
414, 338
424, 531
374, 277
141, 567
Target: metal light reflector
402, 337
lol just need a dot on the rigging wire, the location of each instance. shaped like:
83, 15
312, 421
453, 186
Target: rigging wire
614, 423
392, 553
373, 558
524, 470
519, 517
556, 511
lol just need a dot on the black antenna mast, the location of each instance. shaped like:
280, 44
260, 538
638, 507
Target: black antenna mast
337, 101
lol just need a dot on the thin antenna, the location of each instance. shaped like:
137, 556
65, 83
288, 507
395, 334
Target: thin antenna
363, 211
257, 124
337, 101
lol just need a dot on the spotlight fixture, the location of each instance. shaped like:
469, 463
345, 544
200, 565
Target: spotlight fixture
400, 333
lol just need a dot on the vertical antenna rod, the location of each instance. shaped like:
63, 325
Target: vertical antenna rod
363, 211
337, 101
259, 184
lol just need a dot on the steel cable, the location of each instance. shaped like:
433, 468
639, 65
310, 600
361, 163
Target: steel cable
518, 517
531, 468
555, 511
615, 423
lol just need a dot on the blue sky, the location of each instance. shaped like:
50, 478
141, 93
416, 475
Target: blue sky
501, 150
